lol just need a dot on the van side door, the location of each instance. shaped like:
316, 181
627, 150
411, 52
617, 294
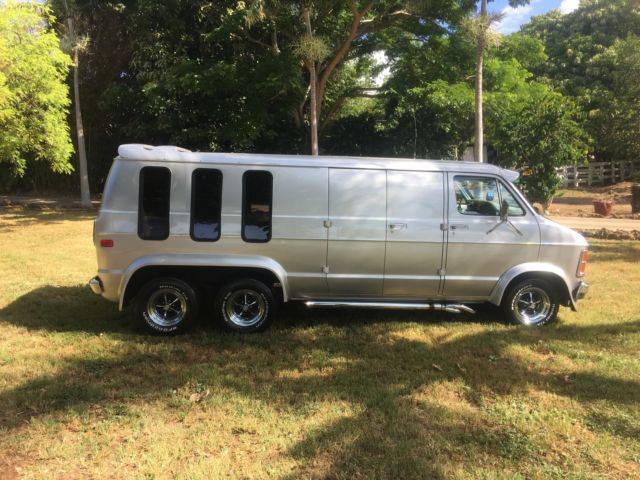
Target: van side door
415, 240
480, 248
357, 232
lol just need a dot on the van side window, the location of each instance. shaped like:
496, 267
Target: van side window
153, 203
257, 197
477, 196
515, 209
206, 201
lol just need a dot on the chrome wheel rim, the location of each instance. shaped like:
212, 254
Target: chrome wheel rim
167, 307
245, 308
531, 305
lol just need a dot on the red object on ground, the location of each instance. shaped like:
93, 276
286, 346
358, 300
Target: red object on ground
603, 207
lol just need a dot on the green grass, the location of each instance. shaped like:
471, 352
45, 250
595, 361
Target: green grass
324, 394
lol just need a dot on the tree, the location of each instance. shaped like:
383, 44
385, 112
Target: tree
534, 130
583, 64
529, 126
617, 120
34, 97
348, 29
480, 30
76, 44
312, 50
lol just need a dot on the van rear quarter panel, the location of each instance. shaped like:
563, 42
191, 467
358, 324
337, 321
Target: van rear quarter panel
299, 239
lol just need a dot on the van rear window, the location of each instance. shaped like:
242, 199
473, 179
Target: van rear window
257, 198
153, 203
206, 200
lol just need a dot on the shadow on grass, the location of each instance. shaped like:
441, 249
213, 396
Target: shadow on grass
24, 217
65, 309
365, 360
615, 252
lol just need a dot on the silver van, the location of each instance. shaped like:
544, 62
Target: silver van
180, 231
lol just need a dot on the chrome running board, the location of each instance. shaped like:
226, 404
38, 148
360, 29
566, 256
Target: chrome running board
440, 307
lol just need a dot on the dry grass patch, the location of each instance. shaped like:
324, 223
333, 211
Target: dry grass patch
324, 394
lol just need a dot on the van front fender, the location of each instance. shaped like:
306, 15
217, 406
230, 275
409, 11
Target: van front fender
199, 260
532, 268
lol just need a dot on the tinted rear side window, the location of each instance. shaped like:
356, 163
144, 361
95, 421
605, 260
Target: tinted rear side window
257, 198
206, 199
153, 204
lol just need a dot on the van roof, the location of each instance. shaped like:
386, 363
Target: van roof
140, 152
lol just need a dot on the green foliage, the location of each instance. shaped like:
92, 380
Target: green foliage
34, 97
615, 118
534, 130
529, 126
228, 75
588, 60
438, 118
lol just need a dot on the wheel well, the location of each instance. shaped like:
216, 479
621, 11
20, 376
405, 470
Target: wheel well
556, 282
207, 279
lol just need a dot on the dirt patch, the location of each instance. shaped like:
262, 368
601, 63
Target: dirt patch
9, 469
579, 202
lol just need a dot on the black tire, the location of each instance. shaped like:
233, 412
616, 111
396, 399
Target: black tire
232, 299
539, 295
165, 291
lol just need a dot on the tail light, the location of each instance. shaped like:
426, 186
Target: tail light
582, 264
106, 242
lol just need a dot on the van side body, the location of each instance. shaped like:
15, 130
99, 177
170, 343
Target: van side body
337, 229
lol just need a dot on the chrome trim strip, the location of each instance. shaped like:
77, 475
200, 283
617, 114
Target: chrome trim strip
451, 308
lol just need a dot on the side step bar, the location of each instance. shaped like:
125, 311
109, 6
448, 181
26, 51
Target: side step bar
449, 307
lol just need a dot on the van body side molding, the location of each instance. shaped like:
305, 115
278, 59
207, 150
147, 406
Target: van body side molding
532, 267
204, 260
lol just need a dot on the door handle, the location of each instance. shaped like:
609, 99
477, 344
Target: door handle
459, 226
397, 226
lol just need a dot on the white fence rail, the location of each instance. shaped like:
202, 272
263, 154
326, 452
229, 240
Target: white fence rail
598, 173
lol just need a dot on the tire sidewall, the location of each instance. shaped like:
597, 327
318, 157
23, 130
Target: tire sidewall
172, 284
508, 304
249, 284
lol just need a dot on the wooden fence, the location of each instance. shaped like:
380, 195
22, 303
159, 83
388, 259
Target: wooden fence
598, 173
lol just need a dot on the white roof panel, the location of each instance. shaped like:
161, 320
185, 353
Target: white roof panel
142, 152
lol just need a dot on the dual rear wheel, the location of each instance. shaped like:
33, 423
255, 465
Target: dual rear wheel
170, 306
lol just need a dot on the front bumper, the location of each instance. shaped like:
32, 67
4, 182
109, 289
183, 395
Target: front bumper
581, 291
96, 285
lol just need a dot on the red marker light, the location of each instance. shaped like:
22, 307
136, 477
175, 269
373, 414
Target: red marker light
106, 242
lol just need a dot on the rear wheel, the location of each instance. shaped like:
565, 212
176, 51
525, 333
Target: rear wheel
531, 302
245, 305
167, 306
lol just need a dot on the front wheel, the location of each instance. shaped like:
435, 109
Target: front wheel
245, 306
531, 302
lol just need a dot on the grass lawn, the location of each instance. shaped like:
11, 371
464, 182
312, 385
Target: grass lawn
323, 394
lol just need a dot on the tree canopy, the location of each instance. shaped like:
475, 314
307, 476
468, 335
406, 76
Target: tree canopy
586, 61
233, 75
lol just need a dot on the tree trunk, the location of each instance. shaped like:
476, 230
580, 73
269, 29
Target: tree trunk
313, 84
478, 148
635, 198
85, 195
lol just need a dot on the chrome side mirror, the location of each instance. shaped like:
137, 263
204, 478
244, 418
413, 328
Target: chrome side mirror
504, 211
